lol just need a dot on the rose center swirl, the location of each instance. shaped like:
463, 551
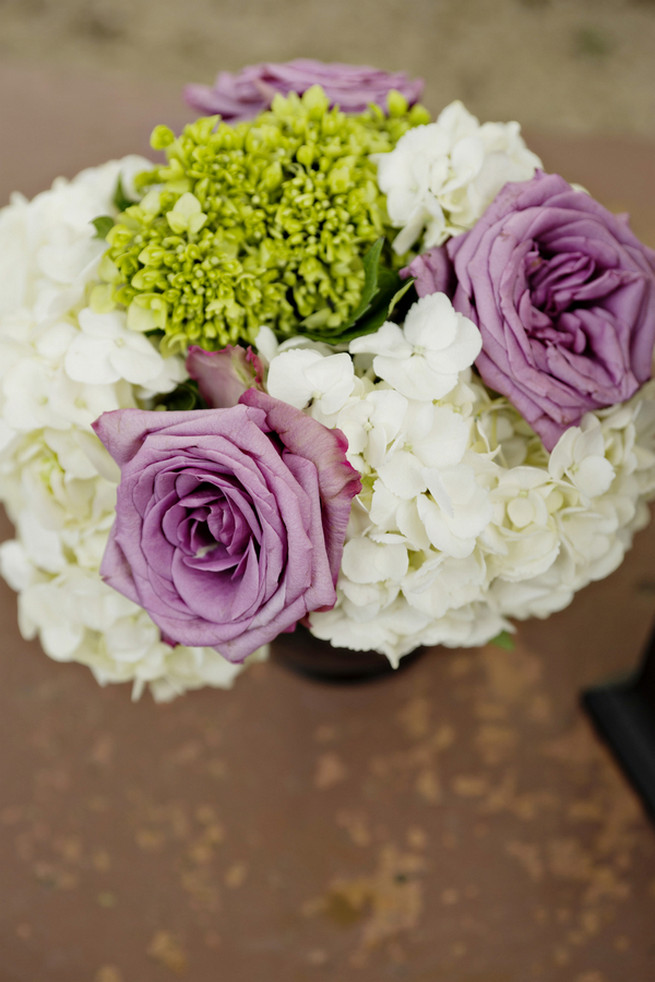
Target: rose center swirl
213, 525
558, 286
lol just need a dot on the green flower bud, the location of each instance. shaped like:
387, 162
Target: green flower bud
161, 138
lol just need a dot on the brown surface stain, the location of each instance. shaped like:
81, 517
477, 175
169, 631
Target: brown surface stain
496, 743
539, 708
200, 889
108, 973
103, 749
325, 734
428, 786
505, 796
346, 904
24, 931
471, 785
101, 861
417, 838
318, 957
12, 814
357, 825
54, 877
414, 717
575, 746
212, 939
235, 875
491, 711
188, 753
106, 899
450, 897
418, 767
510, 674
528, 855
561, 956
330, 770
158, 825
69, 848
167, 949
384, 905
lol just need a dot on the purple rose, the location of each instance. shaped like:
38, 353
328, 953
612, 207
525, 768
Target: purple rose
223, 376
433, 273
230, 523
564, 296
245, 94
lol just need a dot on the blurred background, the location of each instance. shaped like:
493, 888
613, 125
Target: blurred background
583, 65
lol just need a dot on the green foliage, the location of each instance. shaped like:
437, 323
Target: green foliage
504, 640
120, 199
102, 226
382, 291
184, 398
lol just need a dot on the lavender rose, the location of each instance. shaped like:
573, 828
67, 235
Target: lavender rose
230, 523
564, 296
243, 95
223, 376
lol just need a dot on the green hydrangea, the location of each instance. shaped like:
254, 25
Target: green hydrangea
260, 223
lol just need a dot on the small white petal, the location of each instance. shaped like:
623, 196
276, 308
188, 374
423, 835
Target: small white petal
365, 561
287, 376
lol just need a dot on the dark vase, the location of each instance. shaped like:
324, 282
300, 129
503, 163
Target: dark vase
301, 652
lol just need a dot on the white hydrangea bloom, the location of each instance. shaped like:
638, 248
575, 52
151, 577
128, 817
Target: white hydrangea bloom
593, 530
371, 420
303, 375
104, 351
61, 366
440, 177
464, 520
580, 454
47, 244
442, 583
423, 359
523, 540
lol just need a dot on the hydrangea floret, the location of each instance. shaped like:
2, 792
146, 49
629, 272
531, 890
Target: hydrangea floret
265, 222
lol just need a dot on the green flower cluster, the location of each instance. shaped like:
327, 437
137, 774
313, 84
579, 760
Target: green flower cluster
261, 223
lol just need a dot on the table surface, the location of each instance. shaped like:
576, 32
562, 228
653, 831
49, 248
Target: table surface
456, 822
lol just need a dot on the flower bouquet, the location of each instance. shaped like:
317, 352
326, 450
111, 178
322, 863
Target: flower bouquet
328, 362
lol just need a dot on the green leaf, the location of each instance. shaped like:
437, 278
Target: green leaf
385, 304
383, 290
372, 271
399, 294
120, 199
504, 640
313, 325
182, 399
389, 295
102, 226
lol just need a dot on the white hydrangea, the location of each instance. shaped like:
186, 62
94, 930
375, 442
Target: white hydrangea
62, 364
464, 520
423, 359
440, 177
